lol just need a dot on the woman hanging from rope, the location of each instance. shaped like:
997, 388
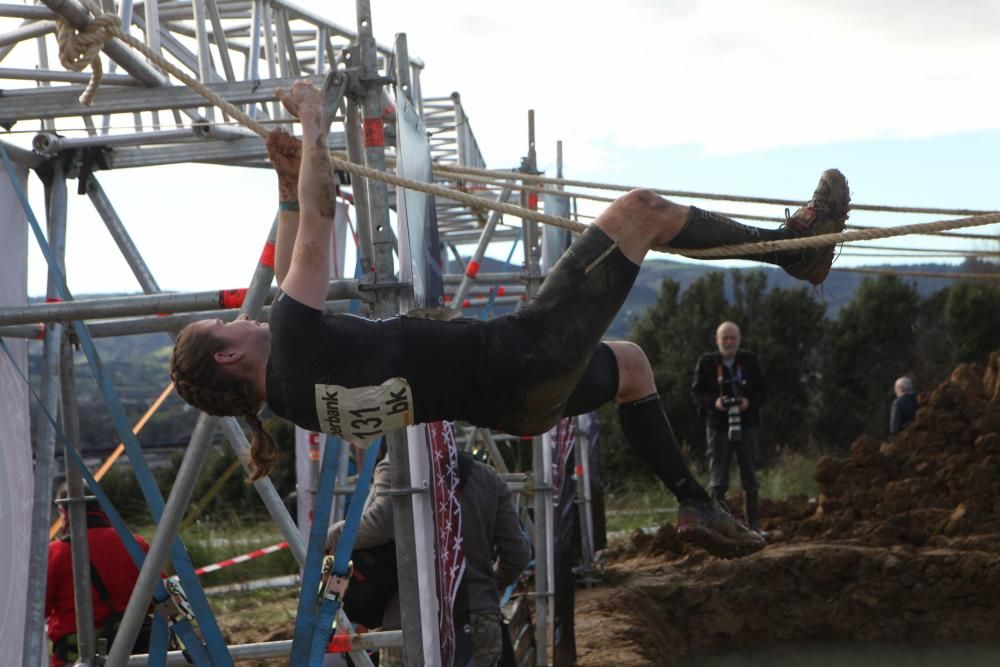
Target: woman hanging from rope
517, 373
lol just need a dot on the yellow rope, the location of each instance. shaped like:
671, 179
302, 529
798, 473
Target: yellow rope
113, 30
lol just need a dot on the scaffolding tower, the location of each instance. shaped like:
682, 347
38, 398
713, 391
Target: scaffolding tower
241, 50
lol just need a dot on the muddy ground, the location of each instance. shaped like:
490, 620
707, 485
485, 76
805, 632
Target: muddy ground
902, 545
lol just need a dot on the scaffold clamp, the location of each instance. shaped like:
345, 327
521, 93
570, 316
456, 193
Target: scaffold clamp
176, 607
333, 585
334, 87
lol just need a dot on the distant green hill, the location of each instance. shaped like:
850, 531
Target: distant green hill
837, 291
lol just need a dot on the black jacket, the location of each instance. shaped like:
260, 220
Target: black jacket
748, 383
904, 411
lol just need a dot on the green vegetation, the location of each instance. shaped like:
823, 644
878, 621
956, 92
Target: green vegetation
829, 380
648, 503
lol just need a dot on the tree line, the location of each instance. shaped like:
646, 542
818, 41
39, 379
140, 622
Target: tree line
829, 379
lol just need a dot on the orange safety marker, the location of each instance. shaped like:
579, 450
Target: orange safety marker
374, 132
267, 255
116, 454
339, 643
232, 298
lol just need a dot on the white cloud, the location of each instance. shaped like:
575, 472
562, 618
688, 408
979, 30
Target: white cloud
730, 76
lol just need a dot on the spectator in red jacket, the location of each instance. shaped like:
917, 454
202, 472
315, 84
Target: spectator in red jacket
112, 574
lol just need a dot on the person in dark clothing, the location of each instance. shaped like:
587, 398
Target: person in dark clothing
729, 389
113, 576
496, 549
904, 407
518, 373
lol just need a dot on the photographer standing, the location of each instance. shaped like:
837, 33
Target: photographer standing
729, 389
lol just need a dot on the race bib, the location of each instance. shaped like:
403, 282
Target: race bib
363, 414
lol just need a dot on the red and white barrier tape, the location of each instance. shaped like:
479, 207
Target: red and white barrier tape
241, 559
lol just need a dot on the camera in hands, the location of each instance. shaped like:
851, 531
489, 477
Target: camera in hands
732, 406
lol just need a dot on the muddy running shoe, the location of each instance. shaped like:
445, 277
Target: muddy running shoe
707, 525
825, 213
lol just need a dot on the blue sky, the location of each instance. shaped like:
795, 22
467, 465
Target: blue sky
746, 98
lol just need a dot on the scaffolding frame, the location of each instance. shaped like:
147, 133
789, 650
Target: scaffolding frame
278, 42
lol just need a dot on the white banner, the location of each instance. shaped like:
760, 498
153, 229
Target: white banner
16, 478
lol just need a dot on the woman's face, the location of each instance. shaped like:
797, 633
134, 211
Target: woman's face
243, 336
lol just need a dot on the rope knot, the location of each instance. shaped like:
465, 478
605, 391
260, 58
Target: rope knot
79, 49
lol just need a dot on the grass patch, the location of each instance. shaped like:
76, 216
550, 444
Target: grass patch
791, 475
648, 503
229, 535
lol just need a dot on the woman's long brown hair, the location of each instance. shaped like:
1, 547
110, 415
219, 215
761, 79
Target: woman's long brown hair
206, 385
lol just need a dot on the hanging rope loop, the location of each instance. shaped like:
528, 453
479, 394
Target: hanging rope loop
79, 49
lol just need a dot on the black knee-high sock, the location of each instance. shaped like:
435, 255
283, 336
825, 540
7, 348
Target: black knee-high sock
647, 429
705, 229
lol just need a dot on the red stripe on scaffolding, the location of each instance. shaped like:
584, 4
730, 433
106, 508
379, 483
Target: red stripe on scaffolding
472, 269
533, 201
267, 255
501, 290
232, 298
374, 130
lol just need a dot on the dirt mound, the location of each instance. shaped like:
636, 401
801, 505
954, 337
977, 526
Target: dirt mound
937, 483
903, 544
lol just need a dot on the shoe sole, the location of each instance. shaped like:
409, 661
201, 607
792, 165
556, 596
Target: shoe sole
716, 543
840, 198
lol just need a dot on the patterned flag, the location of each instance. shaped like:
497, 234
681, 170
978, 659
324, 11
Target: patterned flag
562, 449
448, 533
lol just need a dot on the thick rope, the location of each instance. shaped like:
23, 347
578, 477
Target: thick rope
473, 172
79, 49
842, 237
517, 211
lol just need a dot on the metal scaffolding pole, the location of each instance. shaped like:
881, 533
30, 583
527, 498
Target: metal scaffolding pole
542, 452
584, 502
387, 305
472, 268
121, 236
371, 641
150, 304
128, 326
41, 515
82, 597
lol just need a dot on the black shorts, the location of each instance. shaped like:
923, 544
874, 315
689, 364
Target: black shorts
534, 359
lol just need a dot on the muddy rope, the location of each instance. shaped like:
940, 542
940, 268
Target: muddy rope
111, 28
